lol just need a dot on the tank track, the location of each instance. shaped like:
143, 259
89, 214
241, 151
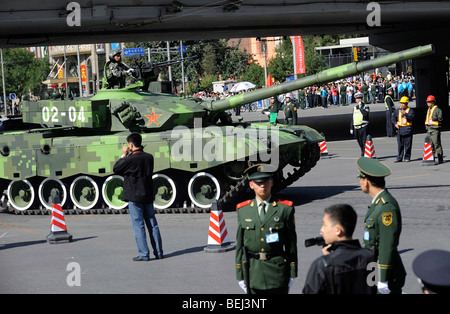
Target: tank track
310, 156
108, 211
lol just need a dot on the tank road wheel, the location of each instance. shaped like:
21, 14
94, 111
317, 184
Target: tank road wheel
203, 189
49, 188
112, 191
20, 194
164, 191
84, 192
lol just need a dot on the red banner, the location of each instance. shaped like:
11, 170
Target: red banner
83, 73
269, 80
297, 43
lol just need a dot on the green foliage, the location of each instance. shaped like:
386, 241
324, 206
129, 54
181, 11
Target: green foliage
209, 63
212, 57
23, 72
255, 74
283, 64
206, 82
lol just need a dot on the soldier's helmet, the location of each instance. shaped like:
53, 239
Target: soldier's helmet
290, 95
112, 53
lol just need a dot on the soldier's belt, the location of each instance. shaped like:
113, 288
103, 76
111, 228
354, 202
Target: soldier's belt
262, 256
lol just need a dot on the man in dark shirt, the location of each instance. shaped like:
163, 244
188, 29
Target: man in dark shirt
343, 267
136, 167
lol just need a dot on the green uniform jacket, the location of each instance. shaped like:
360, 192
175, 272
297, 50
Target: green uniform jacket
437, 116
275, 107
282, 255
290, 112
383, 225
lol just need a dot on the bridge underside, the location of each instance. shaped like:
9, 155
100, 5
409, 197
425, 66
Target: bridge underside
46, 22
401, 24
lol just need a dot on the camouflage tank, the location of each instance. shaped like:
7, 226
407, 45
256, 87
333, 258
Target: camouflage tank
200, 155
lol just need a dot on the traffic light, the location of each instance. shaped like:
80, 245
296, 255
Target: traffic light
356, 54
365, 53
360, 54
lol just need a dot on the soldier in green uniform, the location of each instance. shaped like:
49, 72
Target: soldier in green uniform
272, 110
266, 240
115, 71
373, 91
290, 110
342, 92
365, 91
302, 98
382, 225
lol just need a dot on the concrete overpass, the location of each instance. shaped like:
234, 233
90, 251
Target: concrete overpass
392, 25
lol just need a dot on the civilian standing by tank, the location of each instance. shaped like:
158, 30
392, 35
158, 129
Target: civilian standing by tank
136, 167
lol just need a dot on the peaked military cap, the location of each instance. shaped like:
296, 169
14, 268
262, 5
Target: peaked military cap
359, 95
433, 269
260, 172
369, 167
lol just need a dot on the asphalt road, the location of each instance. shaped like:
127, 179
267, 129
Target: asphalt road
103, 247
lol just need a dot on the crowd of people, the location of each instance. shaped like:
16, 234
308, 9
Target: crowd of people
372, 86
342, 92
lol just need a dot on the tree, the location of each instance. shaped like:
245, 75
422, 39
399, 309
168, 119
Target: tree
283, 64
211, 57
23, 72
255, 74
209, 64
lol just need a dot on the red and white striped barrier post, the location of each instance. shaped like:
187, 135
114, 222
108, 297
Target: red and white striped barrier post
58, 227
323, 148
369, 150
218, 241
428, 158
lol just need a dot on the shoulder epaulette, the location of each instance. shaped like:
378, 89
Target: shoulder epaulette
285, 202
245, 203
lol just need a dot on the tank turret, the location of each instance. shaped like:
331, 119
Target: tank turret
198, 158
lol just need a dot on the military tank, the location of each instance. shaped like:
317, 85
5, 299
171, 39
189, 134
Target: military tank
200, 154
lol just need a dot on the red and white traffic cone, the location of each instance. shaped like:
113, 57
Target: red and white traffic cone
428, 158
58, 228
218, 241
369, 150
323, 149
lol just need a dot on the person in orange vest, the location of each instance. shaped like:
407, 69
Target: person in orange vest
433, 124
402, 120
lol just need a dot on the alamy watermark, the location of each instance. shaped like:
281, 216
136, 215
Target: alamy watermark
223, 144
74, 14
374, 17
374, 275
74, 277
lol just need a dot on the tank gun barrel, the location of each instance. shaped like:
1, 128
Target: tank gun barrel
321, 77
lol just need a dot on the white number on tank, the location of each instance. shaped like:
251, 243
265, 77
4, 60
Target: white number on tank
45, 114
54, 116
72, 114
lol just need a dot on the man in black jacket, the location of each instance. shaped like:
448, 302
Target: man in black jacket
136, 167
343, 267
